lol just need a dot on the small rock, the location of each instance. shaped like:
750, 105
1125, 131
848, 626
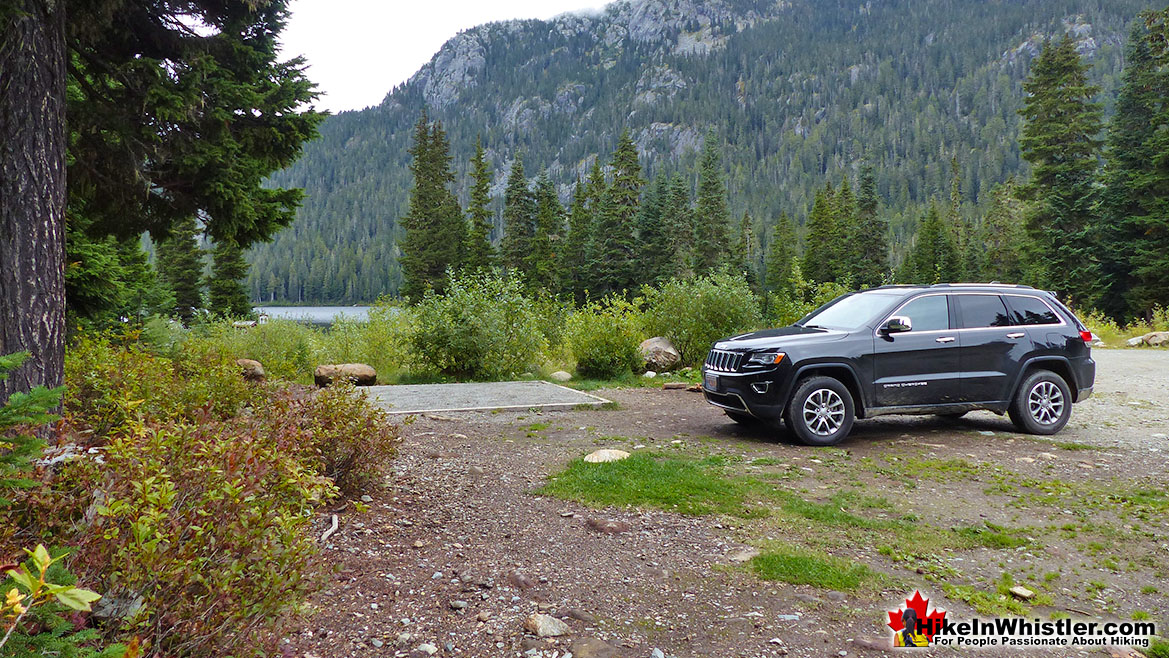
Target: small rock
1047, 455
520, 580
607, 526
657, 653
581, 615
745, 554
475, 470
1025, 460
404, 637
1135, 342
986, 433
605, 455
674, 386
649, 374
418, 543
427, 648
871, 644
252, 370
1159, 435
788, 617
437, 575
483, 616
775, 640
561, 376
835, 596
367, 498
591, 647
808, 598
376, 642
545, 626
659, 354
1022, 592
458, 605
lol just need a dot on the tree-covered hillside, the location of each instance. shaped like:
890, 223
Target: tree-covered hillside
801, 93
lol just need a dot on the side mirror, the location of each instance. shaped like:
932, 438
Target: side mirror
898, 324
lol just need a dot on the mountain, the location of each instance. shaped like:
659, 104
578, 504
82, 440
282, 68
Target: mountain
799, 92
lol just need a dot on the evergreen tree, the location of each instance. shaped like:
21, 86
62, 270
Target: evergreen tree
1060, 140
612, 254
847, 251
932, 259
227, 296
1135, 236
542, 259
678, 221
781, 255
963, 237
747, 251
872, 235
655, 254
1002, 238
820, 256
519, 219
180, 264
479, 253
435, 232
711, 218
580, 222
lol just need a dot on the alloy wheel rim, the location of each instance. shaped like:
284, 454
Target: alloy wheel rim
824, 412
1046, 403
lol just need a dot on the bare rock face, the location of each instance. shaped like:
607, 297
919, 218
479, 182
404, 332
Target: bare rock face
358, 373
545, 626
252, 370
660, 355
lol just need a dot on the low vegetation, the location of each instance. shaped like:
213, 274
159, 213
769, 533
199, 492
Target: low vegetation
799, 566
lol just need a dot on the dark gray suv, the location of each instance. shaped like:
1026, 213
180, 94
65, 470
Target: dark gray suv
945, 349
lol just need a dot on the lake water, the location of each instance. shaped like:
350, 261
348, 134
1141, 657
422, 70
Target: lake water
324, 315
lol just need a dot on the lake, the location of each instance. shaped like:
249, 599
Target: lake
322, 315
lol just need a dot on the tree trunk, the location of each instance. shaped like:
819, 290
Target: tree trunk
32, 191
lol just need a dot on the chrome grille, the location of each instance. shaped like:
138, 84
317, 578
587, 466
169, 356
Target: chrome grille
724, 361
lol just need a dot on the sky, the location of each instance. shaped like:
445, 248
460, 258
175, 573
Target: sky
357, 50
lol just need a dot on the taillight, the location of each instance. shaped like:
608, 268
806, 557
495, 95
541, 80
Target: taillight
1086, 336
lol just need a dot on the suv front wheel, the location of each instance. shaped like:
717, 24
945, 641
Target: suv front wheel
1043, 403
821, 411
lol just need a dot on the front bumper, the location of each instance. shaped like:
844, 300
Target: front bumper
756, 393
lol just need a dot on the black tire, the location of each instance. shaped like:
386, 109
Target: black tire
1042, 404
830, 411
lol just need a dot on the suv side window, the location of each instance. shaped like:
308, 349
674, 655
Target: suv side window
929, 313
976, 311
1030, 311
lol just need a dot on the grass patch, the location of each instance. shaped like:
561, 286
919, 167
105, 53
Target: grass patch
686, 486
766, 461
1158, 649
1073, 446
832, 512
993, 536
798, 566
986, 603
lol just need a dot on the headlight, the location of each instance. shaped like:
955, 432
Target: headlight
765, 358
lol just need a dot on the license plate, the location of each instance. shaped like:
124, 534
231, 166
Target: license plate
711, 382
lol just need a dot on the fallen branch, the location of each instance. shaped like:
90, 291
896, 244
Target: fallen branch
331, 530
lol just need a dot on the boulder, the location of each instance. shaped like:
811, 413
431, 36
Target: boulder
358, 373
561, 376
659, 354
545, 626
1134, 342
606, 455
1156, 338
252, 370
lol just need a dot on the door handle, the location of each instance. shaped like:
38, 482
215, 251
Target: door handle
1017, 334
945, 339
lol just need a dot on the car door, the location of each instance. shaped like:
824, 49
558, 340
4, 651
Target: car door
920, 366
991, 347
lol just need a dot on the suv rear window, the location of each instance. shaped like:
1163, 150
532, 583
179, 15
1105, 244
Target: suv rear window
982, 311
1030, 311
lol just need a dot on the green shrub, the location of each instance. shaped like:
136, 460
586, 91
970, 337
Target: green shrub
604, 337
18, 446
285, 347
110, 383
483, 327
382, 341
695, 313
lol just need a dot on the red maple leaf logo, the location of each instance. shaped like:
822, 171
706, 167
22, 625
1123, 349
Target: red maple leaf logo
930, 623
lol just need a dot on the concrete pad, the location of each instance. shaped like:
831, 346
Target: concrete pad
427, 398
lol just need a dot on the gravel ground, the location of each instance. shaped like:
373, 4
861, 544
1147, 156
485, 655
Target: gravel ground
456, 551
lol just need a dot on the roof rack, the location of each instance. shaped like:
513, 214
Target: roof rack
981, 285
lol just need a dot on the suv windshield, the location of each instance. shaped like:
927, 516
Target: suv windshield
850, 312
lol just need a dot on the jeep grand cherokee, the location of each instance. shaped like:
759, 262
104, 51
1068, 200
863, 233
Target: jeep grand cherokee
945, 349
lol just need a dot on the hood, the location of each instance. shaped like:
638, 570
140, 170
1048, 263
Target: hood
768, 338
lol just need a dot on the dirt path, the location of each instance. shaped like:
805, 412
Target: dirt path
457, 551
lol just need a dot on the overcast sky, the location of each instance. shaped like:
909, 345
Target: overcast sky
357, 50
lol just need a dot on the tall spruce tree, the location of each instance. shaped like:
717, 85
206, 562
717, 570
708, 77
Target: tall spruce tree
1002, 237
678, 220
543, 266
779, 275
965, 247
847, 248
656, 258
479, 253
180, 264
871, 264
435, 232
612, 253
712, 219
519, 219
747, 256
821, 258
580, 223
1060, 138
933, 257
227, 296
1135, 236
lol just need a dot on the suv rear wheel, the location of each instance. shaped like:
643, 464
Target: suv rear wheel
821, 411
1043, 403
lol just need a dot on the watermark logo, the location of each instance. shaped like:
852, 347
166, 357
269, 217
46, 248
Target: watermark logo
915, 624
